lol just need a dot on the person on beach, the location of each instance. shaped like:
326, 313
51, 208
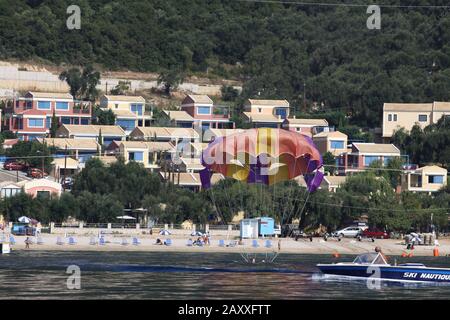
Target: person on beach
159, 242
27, 243
279, 244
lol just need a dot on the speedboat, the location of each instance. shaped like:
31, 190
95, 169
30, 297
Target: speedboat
373, 265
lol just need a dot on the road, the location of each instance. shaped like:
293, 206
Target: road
6, 175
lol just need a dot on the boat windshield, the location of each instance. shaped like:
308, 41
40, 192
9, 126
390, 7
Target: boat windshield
370, 258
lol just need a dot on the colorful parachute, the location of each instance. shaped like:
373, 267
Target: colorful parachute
263, 155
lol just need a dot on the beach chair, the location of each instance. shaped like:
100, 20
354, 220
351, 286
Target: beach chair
136, 241
268, 244
93, 241
39, 240
255, 244
221, 243
102, 241
168, 242
189, 243
59, 241
72, 241
12, 241
124, 242
232, 244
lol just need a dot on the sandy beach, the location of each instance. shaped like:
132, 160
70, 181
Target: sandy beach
288, 245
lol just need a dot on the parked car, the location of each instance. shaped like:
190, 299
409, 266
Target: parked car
36, 173
14, 165
350, 232
375, 234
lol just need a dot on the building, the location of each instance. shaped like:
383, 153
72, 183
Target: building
179, 118
80, 149
31, 116
9, 143
148, 153
334, 142
332, 183
424, 179
165, 134
406, 115
212, 134
109, 133
188, 180
41, 187
361, 155
64, 167
266, 113
9, 189
308, 127
201, 108
129, 111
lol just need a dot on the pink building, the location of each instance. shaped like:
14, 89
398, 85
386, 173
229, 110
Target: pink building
361, 155
41, 188
205, 115
30, 116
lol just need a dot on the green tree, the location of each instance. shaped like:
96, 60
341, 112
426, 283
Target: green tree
54, 125
171, 79
103, 116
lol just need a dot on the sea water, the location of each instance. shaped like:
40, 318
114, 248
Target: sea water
171, 275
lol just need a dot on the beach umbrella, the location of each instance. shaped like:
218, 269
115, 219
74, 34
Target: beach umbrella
24, 219
164, 232
196, 233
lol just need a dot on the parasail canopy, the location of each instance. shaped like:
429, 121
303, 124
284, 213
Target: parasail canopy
263, 155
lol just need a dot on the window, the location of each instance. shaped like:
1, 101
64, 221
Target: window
336, 144
395, 118
9, 192
48, 122
44, 105
35, 123
136, 156
369, 159
282, 112
65, 120
43, 194
76, 121
62, 106
28, 104
386, 160
203, 110
389, 117
84, 121
436, 179
423, 118
126, 124
136, 108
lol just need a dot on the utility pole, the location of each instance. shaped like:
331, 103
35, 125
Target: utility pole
65, 166
304, 95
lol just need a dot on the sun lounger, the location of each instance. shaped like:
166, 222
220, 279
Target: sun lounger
189, 243
39, 240
255, 244
59, 241
168, 242
124, 242
232, 244
12, 240
72, 241
93, 241
102, 241
221, 243
136, 241
268, 244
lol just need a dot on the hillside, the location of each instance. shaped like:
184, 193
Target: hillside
273, 48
